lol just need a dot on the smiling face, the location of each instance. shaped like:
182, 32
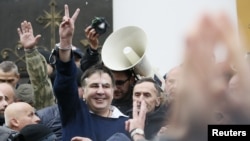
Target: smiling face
98, 92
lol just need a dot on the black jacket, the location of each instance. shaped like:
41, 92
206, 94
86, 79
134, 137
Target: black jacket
90, 58
2, 120
154, 121
124, 106
50, 117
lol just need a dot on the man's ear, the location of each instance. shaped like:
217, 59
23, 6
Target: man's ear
14, 122
83, 92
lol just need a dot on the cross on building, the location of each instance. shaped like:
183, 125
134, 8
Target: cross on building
52, 19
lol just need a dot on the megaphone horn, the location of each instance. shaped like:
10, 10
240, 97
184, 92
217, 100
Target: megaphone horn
126, 49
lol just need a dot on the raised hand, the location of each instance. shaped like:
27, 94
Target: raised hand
138, 120
66, 31
235, 46
26, 36
139, 117
92, 37
67, 27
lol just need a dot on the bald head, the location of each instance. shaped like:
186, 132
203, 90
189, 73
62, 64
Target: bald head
8, 91
171, 80
19, 114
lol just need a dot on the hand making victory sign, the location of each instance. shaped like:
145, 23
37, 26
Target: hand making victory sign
67, 27
138, 120
66, 32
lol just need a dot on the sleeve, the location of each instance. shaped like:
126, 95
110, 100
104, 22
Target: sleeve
37, 69
90, 58
66, 90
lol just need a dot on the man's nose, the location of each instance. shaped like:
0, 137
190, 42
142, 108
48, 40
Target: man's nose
5, 103
37, 119
141, 97
100, 90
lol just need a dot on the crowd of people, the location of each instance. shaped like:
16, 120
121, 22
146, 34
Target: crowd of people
78, 98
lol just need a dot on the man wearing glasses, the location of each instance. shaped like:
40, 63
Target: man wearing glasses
124, 82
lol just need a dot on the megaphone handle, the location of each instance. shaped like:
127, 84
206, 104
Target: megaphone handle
133, 72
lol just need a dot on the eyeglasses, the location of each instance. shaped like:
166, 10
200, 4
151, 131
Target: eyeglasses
121, 82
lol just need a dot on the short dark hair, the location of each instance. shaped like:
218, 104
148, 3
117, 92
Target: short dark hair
98, 68
128, 72
149, 79
8, 66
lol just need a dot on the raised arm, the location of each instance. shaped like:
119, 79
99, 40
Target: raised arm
65, 84
36, 67
92, 56
66, 31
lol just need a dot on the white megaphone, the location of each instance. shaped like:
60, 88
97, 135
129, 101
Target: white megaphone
125, 49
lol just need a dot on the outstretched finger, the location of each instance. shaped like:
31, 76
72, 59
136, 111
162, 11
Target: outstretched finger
19, 32
234, 45
228, 35
75, 15
135, 109
26, 27
23, 26
87, 30
29, 26
92, 34
143, 110
37, 38
66, 10
127, 124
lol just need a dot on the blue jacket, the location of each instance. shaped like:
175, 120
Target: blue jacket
75, 116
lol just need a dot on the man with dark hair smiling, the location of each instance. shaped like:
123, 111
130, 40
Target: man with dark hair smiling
124, 80
89, 118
